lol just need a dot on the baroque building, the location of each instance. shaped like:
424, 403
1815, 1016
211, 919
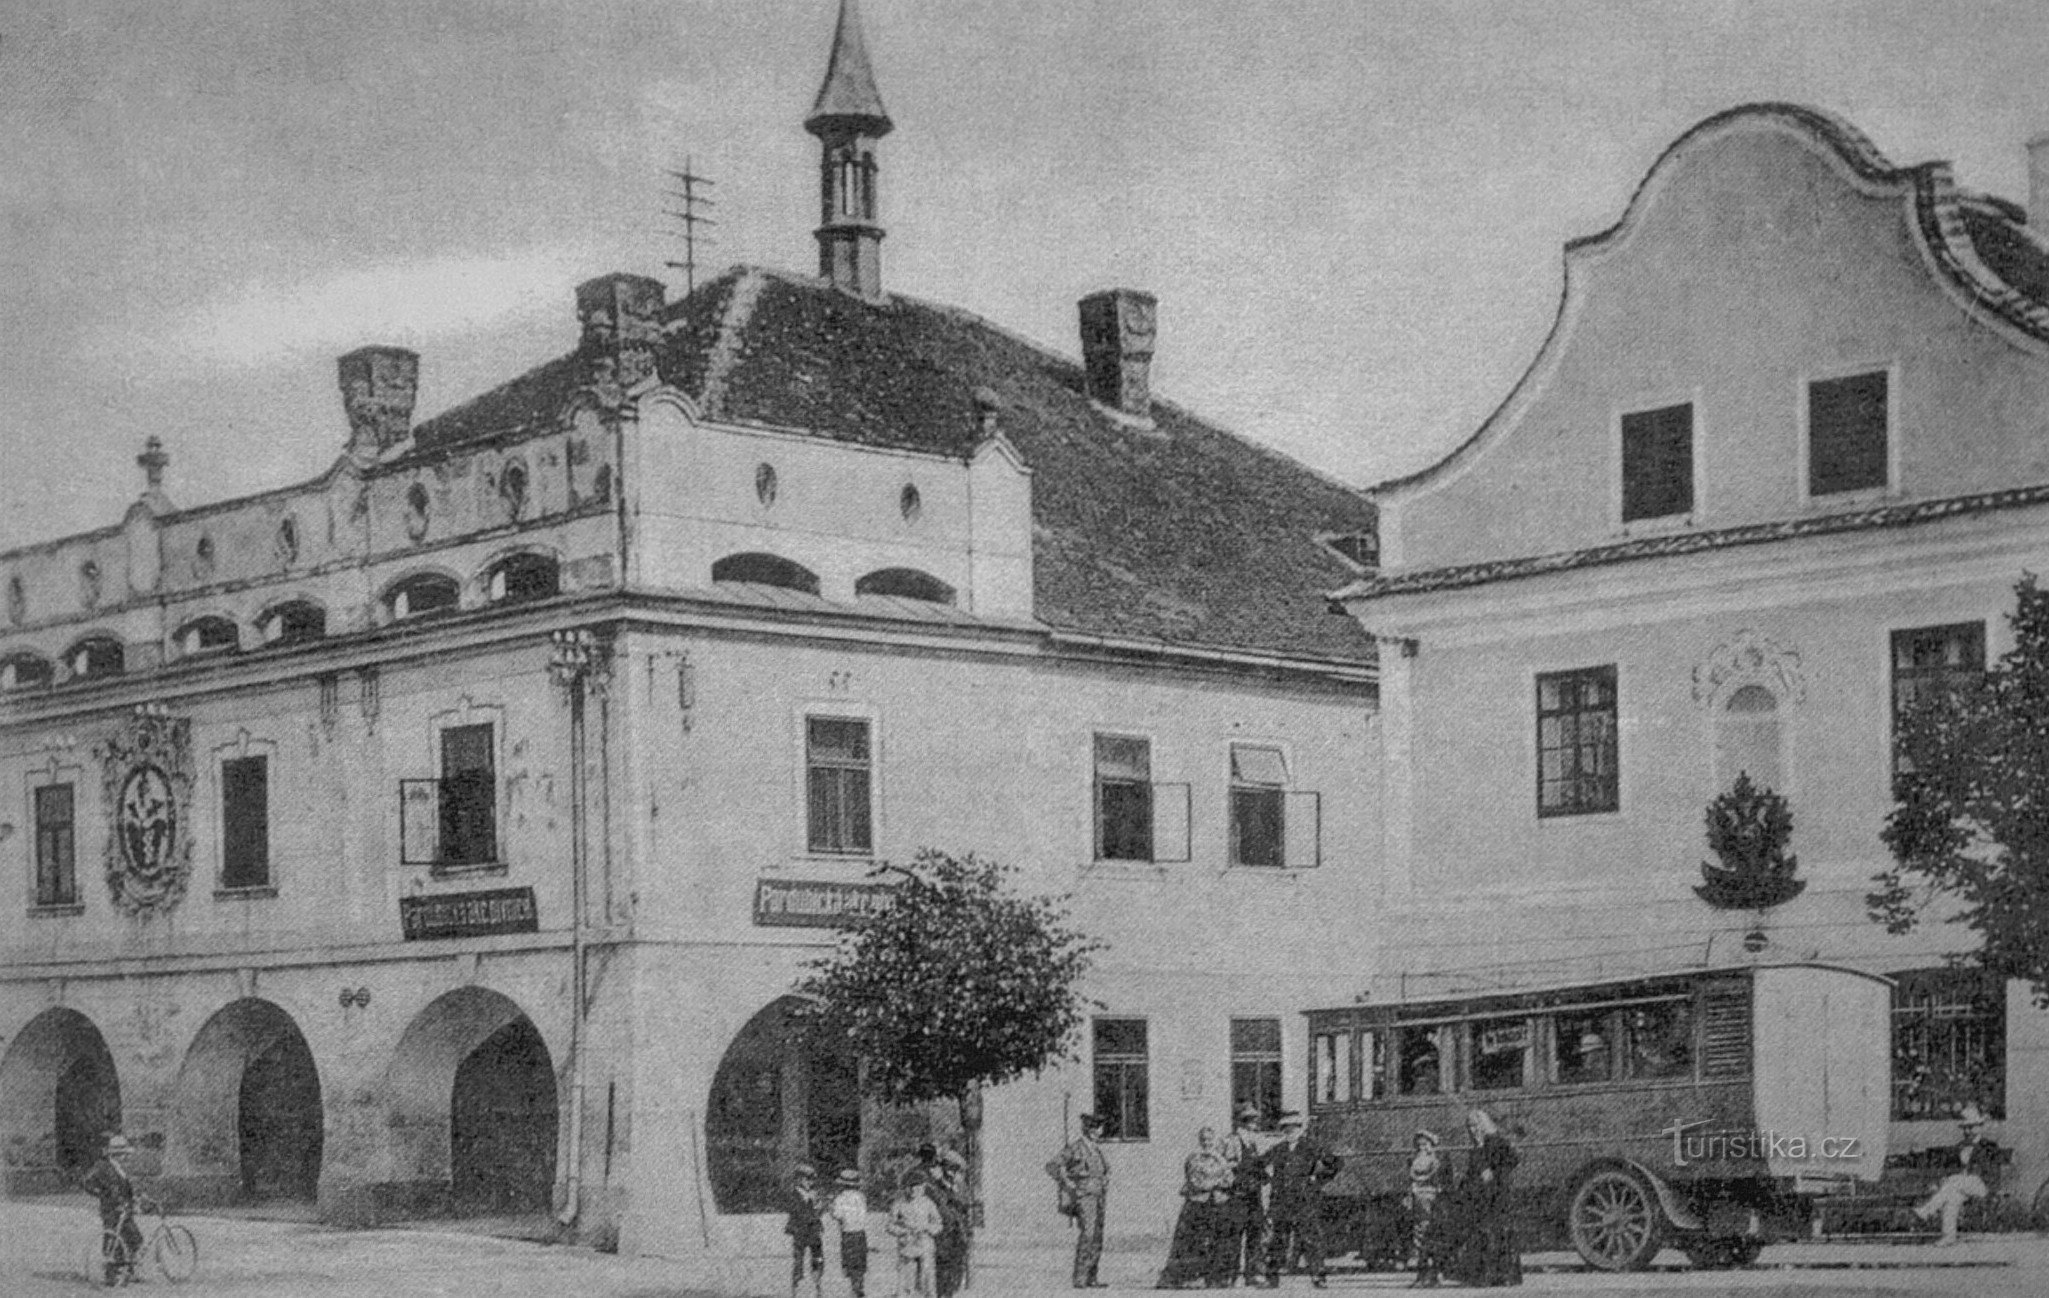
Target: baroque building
1774, 473
447, 833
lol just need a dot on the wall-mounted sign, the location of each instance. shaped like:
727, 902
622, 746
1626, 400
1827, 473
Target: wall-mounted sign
469, 914
147, 769
807, 903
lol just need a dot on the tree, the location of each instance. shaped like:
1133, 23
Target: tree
1749, 830
1970, 827
961, 983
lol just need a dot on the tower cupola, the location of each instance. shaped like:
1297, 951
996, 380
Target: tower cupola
848, 118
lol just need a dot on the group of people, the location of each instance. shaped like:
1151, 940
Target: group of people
929, 1223
1463, 1229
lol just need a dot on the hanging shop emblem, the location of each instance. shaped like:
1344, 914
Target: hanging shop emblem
147, 771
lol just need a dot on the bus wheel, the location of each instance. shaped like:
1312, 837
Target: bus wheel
1722, 1253
1615, 1221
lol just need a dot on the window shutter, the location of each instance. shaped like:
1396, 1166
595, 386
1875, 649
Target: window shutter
1725, 1030
1304, 820
1171, 823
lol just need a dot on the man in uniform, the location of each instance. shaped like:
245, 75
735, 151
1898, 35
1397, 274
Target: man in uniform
1084, 1177
1299, 1168
109, 1182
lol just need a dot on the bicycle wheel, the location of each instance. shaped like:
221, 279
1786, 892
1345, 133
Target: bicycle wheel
177, 1252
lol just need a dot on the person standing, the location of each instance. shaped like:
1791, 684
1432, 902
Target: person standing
950, 1251
1299, 1169
1975, 1158
108, 1181
1243, 1245
914, 1223
805, 1225
1084, 1177
850, 1210
1486, 1253
1426, 1184
1199, 1229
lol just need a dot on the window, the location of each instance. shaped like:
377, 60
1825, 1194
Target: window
1583, 1046
1846, 434
905, 583
468, 796
1927, 663
95, 658
1500, 1057
838, 764
1121, 1080
524, 577
1747, 739
1658, 1040
56, 846
293, 623
1330, 1067
1256, 1065
1948, 1043
208, 635
1657, 463
1259, 779
1577, 756
24, 672
1124, 799
765, 570
426, 593
245, 822
1419, 1061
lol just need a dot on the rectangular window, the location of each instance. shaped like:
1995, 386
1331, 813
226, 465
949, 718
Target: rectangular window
1124, 799
56, 846
245, 822
1657, 463
1259, 781
1419, 1061
1578, 758
1121, 1079
1330, 1068
840, 764
1927, 663
1256, 1065
468, 796
1500, 1057
1583, 1046
1658, 1040
1948, 1043
1846, 434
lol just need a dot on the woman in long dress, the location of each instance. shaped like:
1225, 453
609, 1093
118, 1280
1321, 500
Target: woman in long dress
1198, 1230
1485, 1252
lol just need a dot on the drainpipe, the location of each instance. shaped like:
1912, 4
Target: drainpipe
580, 665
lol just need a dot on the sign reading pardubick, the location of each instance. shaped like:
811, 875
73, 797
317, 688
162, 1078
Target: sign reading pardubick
469, 914
800, 903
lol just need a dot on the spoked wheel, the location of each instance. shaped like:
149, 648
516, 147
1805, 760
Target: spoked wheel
1615, 1221
1723, 1253
177, 1253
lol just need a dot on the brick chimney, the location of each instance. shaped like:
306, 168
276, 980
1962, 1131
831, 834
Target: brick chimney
378, 385
2038, 186
621, 317
1117, 349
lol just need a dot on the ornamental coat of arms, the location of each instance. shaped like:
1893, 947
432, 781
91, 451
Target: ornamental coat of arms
147, 769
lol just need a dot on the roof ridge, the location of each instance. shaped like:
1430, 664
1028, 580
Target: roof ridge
725, 353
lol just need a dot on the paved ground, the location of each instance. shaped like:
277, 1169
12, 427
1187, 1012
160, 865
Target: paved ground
44, 1249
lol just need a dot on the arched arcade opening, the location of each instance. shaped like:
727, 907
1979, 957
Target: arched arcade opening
782, 1095
59, 1097
247, 1122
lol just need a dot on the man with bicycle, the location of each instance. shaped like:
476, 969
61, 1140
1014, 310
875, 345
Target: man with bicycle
110, 1183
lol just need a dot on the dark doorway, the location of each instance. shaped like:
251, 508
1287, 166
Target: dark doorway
502, 1119
832, 1105
278, 1121
782, 1095
88, 1107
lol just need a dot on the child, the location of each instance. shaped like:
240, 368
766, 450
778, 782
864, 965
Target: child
914, 1221
806, 1229
1426, 1182
850, 1209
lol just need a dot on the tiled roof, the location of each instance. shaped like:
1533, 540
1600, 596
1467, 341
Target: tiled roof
1659, 547
1181, 533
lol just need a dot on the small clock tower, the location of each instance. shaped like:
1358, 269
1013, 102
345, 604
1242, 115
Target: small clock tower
848, 119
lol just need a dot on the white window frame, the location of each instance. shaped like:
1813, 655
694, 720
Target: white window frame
1643, 404
55, 771
834, 709
468, 712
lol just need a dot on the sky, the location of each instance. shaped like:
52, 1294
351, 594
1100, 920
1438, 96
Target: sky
1352, 212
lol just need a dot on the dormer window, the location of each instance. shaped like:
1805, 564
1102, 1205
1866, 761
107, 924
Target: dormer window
525, 576
95, 658
429, 592
1359, 551
208, 635
24, 672
765, 570
905, 583
293, 622
1848, 435
1657, 463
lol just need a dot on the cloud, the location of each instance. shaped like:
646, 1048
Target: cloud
409, 303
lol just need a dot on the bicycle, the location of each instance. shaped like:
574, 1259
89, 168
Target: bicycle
173, 1248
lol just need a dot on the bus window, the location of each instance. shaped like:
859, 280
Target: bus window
1327, 1067
1661, 1040
1373, 1065
1420, 1065
1584, 1046
1500, 1051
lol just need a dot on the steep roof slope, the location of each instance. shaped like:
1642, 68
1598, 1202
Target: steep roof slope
1181, 533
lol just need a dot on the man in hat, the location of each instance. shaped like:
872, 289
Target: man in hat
1300, 1167
109, 1182
850, 1210
805, 1225
1242, 1240
1975, 1159
1084, 1177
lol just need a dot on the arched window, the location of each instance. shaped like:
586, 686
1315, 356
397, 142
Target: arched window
765, 570
905, 583
95, 657
293, 622
1747, 739
25, 672
207, 635
416, 596
524, 577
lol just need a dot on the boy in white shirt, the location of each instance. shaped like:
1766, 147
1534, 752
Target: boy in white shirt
914, 1221
850, 1210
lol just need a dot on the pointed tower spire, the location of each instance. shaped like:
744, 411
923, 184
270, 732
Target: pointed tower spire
848, 118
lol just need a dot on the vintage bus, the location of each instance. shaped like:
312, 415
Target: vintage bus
1702, 1109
